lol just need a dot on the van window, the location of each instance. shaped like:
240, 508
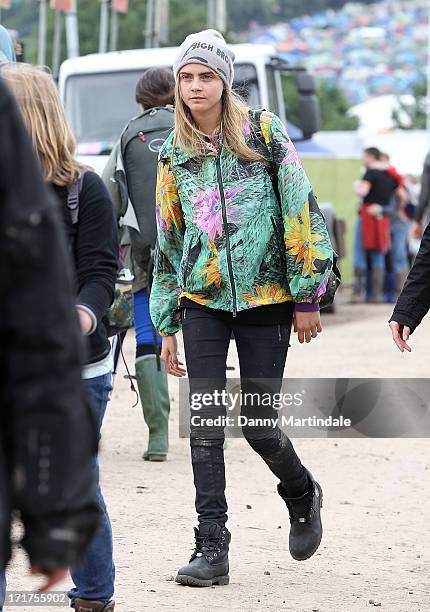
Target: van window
99, 105
246, 84
272, 91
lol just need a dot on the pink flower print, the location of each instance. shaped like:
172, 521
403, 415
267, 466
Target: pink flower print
293, 156
160, 221
246, 127
321, 289
208, 210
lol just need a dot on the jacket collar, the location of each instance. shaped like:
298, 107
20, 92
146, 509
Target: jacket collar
179, 156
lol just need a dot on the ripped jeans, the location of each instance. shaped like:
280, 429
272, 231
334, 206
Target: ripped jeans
262, 351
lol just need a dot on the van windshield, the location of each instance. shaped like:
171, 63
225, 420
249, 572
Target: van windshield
99, 105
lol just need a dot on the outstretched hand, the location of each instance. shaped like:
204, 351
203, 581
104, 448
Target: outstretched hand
401, 334
52, 575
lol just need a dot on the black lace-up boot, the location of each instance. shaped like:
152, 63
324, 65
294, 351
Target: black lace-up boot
209, 562
305, 518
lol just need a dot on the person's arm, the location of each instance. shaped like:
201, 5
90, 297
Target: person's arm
308, 248
43, 410
96, 249
362, 188
170, 232
414, 301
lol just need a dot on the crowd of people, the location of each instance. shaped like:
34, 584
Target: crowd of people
238, 249
387, 230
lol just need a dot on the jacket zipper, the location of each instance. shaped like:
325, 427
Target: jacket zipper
227, 237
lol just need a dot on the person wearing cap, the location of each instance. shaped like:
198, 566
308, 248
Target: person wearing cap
243, 250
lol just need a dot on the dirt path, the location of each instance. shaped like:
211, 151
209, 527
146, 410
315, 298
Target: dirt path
375, 547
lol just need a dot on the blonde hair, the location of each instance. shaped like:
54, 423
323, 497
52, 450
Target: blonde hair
37, 97
234, 115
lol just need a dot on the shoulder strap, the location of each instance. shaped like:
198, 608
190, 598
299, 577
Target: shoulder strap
255, 116
74, 190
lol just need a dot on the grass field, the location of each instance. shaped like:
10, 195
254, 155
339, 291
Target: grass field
332, 180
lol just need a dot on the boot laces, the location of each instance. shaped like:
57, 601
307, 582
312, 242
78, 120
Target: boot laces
207, 546
301, 511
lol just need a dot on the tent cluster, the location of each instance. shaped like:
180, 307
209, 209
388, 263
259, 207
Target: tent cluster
369, 50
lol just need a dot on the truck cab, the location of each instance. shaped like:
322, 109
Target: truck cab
98, 92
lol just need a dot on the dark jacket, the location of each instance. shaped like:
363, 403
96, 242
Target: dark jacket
47, 436
414, 301
95, 253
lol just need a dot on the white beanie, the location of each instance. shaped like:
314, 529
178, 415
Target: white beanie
209, 49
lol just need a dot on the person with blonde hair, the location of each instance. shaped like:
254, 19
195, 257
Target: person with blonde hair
242, 249
90, 226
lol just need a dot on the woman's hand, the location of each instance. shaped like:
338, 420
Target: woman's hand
52, 576
307, 325
416, 230
401, 335
169, 355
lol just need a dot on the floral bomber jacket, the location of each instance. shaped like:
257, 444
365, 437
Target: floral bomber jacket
226, 239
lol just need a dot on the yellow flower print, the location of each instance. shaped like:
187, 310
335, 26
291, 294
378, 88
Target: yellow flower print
266, 294
265, 124
300, 241
213, 276
195, 297
168, 209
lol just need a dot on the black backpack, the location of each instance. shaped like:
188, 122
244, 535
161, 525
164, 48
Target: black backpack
140, 144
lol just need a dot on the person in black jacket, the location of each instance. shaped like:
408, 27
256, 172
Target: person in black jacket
90, 225
414, 301
47, 434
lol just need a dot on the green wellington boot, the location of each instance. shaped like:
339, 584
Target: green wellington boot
154, 397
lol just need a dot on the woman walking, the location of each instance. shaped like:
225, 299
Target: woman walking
130, 176
90, 226
243, 249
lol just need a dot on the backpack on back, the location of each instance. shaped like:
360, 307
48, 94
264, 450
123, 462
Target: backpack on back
140, 144
119, 317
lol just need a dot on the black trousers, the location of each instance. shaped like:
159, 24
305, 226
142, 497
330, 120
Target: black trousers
262, 351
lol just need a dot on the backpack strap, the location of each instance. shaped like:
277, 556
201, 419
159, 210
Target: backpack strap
255, 116
73, 192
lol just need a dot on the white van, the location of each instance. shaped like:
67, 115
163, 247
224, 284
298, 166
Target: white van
98, 92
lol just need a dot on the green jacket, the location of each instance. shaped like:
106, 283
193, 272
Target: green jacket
224, 238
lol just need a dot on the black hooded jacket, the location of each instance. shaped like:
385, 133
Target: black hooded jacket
414, 301
47, 436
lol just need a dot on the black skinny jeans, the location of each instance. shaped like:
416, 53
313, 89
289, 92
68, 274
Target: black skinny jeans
262, 351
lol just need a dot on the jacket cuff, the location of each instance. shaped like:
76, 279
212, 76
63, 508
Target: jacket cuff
60, 539
91, 315
405, 318
306, 307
